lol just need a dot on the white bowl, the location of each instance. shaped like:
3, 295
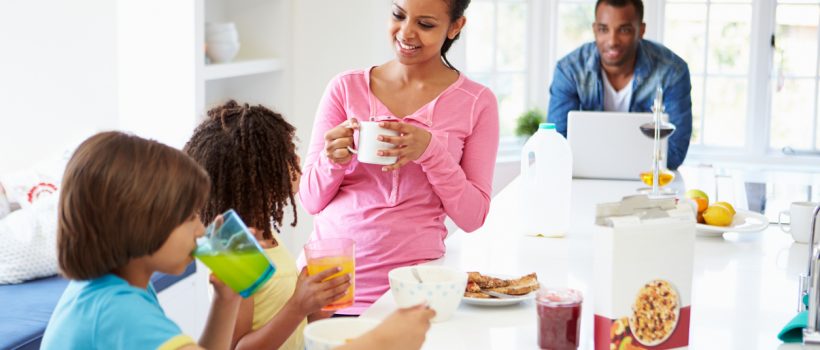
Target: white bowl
215, 27
442, 288
226, 36
332, 332
222, 52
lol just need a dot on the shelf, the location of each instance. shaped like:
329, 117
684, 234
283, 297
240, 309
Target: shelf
239, 68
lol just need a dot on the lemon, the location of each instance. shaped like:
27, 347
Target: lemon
717, 215
727, 206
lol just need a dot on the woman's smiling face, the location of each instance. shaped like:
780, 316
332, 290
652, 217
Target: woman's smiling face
418, 29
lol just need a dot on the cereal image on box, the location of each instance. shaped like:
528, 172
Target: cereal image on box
655, 313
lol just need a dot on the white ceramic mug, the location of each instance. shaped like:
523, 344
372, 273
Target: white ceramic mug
368, 144
800, 221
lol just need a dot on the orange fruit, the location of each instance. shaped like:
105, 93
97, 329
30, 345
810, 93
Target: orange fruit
702, 203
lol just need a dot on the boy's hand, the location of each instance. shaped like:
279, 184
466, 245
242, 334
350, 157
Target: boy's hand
404, 329
222, 292
312, 294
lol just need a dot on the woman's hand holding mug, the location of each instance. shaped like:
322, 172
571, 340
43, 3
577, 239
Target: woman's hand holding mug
410, 144
339, 141
392, 144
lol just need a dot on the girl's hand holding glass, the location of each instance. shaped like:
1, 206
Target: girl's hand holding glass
410, 145
314, 292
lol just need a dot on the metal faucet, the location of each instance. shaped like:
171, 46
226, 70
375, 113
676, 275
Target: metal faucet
810, 286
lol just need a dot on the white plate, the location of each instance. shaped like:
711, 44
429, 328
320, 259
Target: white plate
744, 221
499, 301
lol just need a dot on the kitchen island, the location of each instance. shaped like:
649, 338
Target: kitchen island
744, 285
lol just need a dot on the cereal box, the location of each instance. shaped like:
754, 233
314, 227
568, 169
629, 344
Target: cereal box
643, 274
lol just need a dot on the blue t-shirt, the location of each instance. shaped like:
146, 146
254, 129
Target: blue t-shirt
109, 313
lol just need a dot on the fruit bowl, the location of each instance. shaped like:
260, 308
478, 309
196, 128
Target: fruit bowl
743, 221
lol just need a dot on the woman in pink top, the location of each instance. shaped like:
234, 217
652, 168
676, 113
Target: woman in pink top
446, 151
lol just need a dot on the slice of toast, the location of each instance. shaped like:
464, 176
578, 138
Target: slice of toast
519, 286
486, 282
473, 287
478, 295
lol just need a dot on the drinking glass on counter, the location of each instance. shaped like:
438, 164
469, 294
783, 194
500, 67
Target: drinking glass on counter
559, 318
329, 253
658, 176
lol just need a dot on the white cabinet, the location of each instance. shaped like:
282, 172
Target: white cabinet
165, 86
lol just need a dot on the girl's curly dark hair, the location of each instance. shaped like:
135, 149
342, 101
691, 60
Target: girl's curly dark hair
249, 153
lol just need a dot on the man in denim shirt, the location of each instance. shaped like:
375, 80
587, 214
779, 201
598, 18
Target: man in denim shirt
620, 72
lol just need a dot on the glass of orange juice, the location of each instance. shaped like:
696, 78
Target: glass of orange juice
324, 254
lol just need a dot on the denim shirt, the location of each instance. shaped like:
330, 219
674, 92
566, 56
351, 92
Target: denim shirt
577, 85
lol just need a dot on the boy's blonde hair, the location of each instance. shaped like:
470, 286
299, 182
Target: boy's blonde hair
121, 197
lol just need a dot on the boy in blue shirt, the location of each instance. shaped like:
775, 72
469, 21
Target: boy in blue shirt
128, 208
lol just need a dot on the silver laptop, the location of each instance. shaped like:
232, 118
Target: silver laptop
609, 145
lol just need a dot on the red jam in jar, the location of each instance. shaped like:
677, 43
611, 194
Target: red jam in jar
559, 318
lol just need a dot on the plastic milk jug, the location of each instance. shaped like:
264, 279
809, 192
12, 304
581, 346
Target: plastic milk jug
546, 182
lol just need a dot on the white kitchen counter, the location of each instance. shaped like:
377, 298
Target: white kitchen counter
744, 287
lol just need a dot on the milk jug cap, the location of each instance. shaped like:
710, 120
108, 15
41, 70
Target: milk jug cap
547, 126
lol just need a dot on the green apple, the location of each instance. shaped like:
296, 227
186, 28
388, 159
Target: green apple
692, 194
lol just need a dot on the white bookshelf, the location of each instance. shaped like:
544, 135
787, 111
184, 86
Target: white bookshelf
259, 73
241, 68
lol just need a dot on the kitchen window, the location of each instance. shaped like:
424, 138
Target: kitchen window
496, 50
755, 67
794, 82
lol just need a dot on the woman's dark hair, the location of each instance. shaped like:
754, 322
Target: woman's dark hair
122, 197
248, 152
457, 8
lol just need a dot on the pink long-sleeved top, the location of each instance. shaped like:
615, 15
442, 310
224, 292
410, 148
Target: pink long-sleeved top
397, 218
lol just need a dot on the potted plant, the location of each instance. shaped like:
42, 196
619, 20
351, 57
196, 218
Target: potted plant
527, 123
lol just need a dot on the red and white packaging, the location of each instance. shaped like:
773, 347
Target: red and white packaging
644, 250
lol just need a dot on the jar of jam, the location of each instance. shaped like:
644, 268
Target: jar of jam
559, 318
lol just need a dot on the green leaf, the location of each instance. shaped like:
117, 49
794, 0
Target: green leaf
527, 123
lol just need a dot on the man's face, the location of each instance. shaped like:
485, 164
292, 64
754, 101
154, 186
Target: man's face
617, 33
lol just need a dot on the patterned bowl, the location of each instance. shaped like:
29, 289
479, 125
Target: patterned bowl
441, 288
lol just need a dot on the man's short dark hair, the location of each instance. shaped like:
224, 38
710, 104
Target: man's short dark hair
623, 3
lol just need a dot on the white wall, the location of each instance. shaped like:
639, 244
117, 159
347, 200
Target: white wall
57, 76
156, 69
